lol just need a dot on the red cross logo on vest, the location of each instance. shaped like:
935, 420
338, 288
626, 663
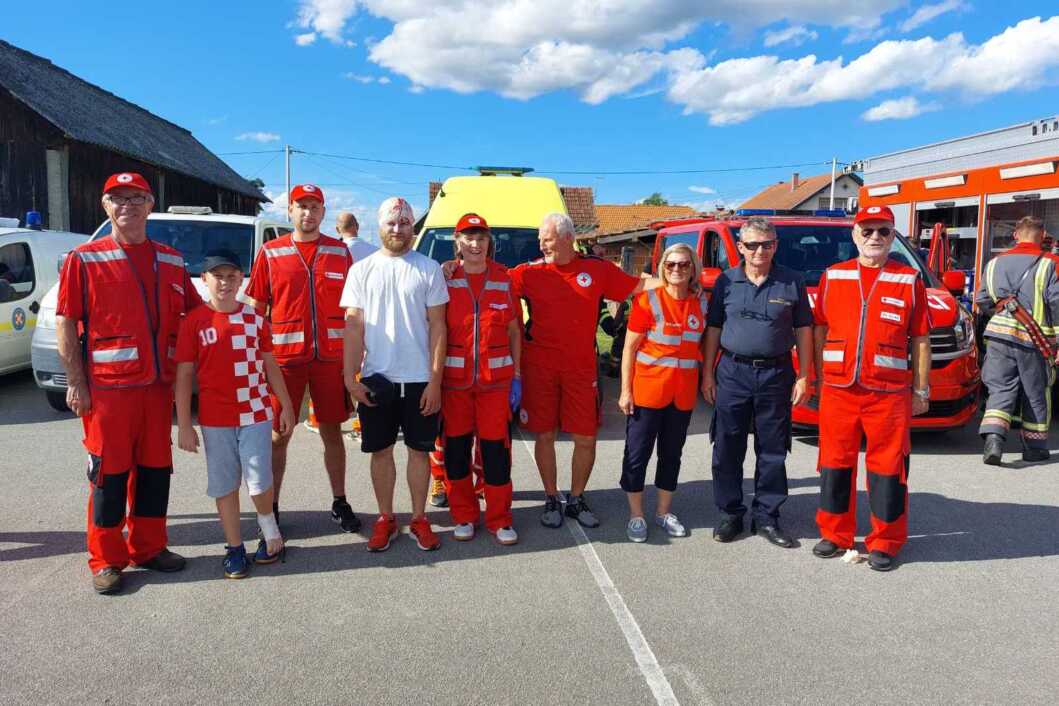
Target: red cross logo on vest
584, 279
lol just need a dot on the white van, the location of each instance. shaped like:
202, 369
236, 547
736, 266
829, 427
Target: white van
29, 268
192, 230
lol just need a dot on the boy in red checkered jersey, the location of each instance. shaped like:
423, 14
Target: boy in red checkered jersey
226, 346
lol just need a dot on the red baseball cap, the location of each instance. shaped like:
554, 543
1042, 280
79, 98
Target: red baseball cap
130, 180
471, 221
874, 213
306, 191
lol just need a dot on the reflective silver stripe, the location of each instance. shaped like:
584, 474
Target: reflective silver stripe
102, 256
452, 361
331, 250
458, 283
667, 362
501, 362
834, 356
843, 274
335, 332
280, 252
174, 260
115, 355
663, 338
687, 364
896, 277
498, 286
889, 361
283, 339
692, 336
658, 334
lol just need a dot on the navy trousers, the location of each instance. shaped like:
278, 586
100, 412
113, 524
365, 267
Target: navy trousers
645, 429
758, 398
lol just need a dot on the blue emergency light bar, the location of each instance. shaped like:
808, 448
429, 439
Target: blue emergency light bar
756, 212
820, 213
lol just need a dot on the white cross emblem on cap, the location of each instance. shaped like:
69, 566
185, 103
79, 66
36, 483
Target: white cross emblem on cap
475, 221
124, 178
873, 209
309, 187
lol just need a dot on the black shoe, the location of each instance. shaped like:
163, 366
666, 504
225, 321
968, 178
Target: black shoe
729, 529
577, 508
773, 534
993, 450
1033, 455
825, 549
165, 561
343, 514
880, 561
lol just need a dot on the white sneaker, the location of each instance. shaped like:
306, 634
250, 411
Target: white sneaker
506, 535
464, 532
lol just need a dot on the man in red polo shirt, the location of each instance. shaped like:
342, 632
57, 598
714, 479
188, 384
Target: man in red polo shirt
299, 279
563, 292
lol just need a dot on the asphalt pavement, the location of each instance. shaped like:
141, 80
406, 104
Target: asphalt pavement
565, 617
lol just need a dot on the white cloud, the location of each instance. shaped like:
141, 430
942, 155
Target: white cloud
702, 190
217, 120
384, 80
361, 78
304, 40
257, 137
796, 35
898, 109
928, 12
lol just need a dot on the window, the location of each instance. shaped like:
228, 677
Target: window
824, 202
17, 278
194, 238
513, 245
812, 249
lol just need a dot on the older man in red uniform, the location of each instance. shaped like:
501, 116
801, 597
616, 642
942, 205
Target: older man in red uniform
121, 299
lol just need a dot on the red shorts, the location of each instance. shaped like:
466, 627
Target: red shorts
130, 427
327, 390
567, 399
484, 412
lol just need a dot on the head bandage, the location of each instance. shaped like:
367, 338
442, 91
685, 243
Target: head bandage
395, 208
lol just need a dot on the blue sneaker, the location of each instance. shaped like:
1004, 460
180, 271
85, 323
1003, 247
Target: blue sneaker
261, 556
236, 565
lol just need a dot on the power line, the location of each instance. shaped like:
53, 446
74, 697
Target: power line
229, 154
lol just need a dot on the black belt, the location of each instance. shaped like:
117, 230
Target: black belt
760, 362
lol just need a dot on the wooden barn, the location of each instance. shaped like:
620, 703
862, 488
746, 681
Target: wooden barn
61, 137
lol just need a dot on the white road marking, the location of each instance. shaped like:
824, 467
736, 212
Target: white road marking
634, 637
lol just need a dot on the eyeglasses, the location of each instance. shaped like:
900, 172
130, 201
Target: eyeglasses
883, 232
673, 265
127, 200
763, 244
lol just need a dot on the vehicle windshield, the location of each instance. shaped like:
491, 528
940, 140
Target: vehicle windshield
812, 249
195, 238
513, 245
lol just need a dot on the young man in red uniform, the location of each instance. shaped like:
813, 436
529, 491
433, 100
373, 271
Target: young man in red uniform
871, 313
563, 291
121, 299
298, 278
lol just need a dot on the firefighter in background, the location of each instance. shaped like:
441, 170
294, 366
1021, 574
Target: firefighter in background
121, 300
1020, 293
871, 312
481, 382
298, 279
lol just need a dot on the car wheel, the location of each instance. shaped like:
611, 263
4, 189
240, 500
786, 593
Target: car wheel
57, 400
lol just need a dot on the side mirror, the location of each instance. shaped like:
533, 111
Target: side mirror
954, 281
709, 277
649, 268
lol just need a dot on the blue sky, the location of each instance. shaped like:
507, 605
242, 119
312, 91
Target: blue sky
560, 85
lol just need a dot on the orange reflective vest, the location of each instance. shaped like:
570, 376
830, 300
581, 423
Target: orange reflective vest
307, 321
667, 362
121, 349
867, 332
479, 350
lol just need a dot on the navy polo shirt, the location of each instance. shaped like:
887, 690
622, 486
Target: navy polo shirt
759, 320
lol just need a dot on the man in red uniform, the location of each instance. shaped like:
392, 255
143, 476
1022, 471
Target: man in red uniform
121, 300
871, 313
299, 279
563, 292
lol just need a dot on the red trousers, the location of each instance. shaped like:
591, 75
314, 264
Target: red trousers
130, 461
884, 420
483, 413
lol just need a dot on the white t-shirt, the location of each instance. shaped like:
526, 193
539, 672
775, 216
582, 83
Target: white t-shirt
394, 293
359, 248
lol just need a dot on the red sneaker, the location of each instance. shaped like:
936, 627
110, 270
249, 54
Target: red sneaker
385, 529
425, 537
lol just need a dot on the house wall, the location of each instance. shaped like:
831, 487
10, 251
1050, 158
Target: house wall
846, 187
24, 139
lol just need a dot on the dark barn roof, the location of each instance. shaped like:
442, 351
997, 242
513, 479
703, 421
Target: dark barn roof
86, 113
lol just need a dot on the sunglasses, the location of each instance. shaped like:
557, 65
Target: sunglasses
671, 265
883, 232
763, 244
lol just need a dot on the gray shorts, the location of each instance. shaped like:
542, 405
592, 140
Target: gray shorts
238, 453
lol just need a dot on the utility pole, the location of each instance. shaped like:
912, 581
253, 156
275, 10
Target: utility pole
834, 164
286, 154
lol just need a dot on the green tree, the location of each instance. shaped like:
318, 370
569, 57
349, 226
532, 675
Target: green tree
655, 199
258, 182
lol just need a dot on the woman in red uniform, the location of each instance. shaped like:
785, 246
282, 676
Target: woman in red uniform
481, 383
659, 385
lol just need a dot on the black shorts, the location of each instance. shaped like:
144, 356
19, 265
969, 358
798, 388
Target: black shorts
379, 424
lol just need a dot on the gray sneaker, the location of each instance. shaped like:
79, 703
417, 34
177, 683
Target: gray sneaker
577, 508
671, 525
553, 512
636, 530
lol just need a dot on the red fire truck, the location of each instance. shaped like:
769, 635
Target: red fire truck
813, 241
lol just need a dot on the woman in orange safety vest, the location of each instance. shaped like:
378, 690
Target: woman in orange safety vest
659, 383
